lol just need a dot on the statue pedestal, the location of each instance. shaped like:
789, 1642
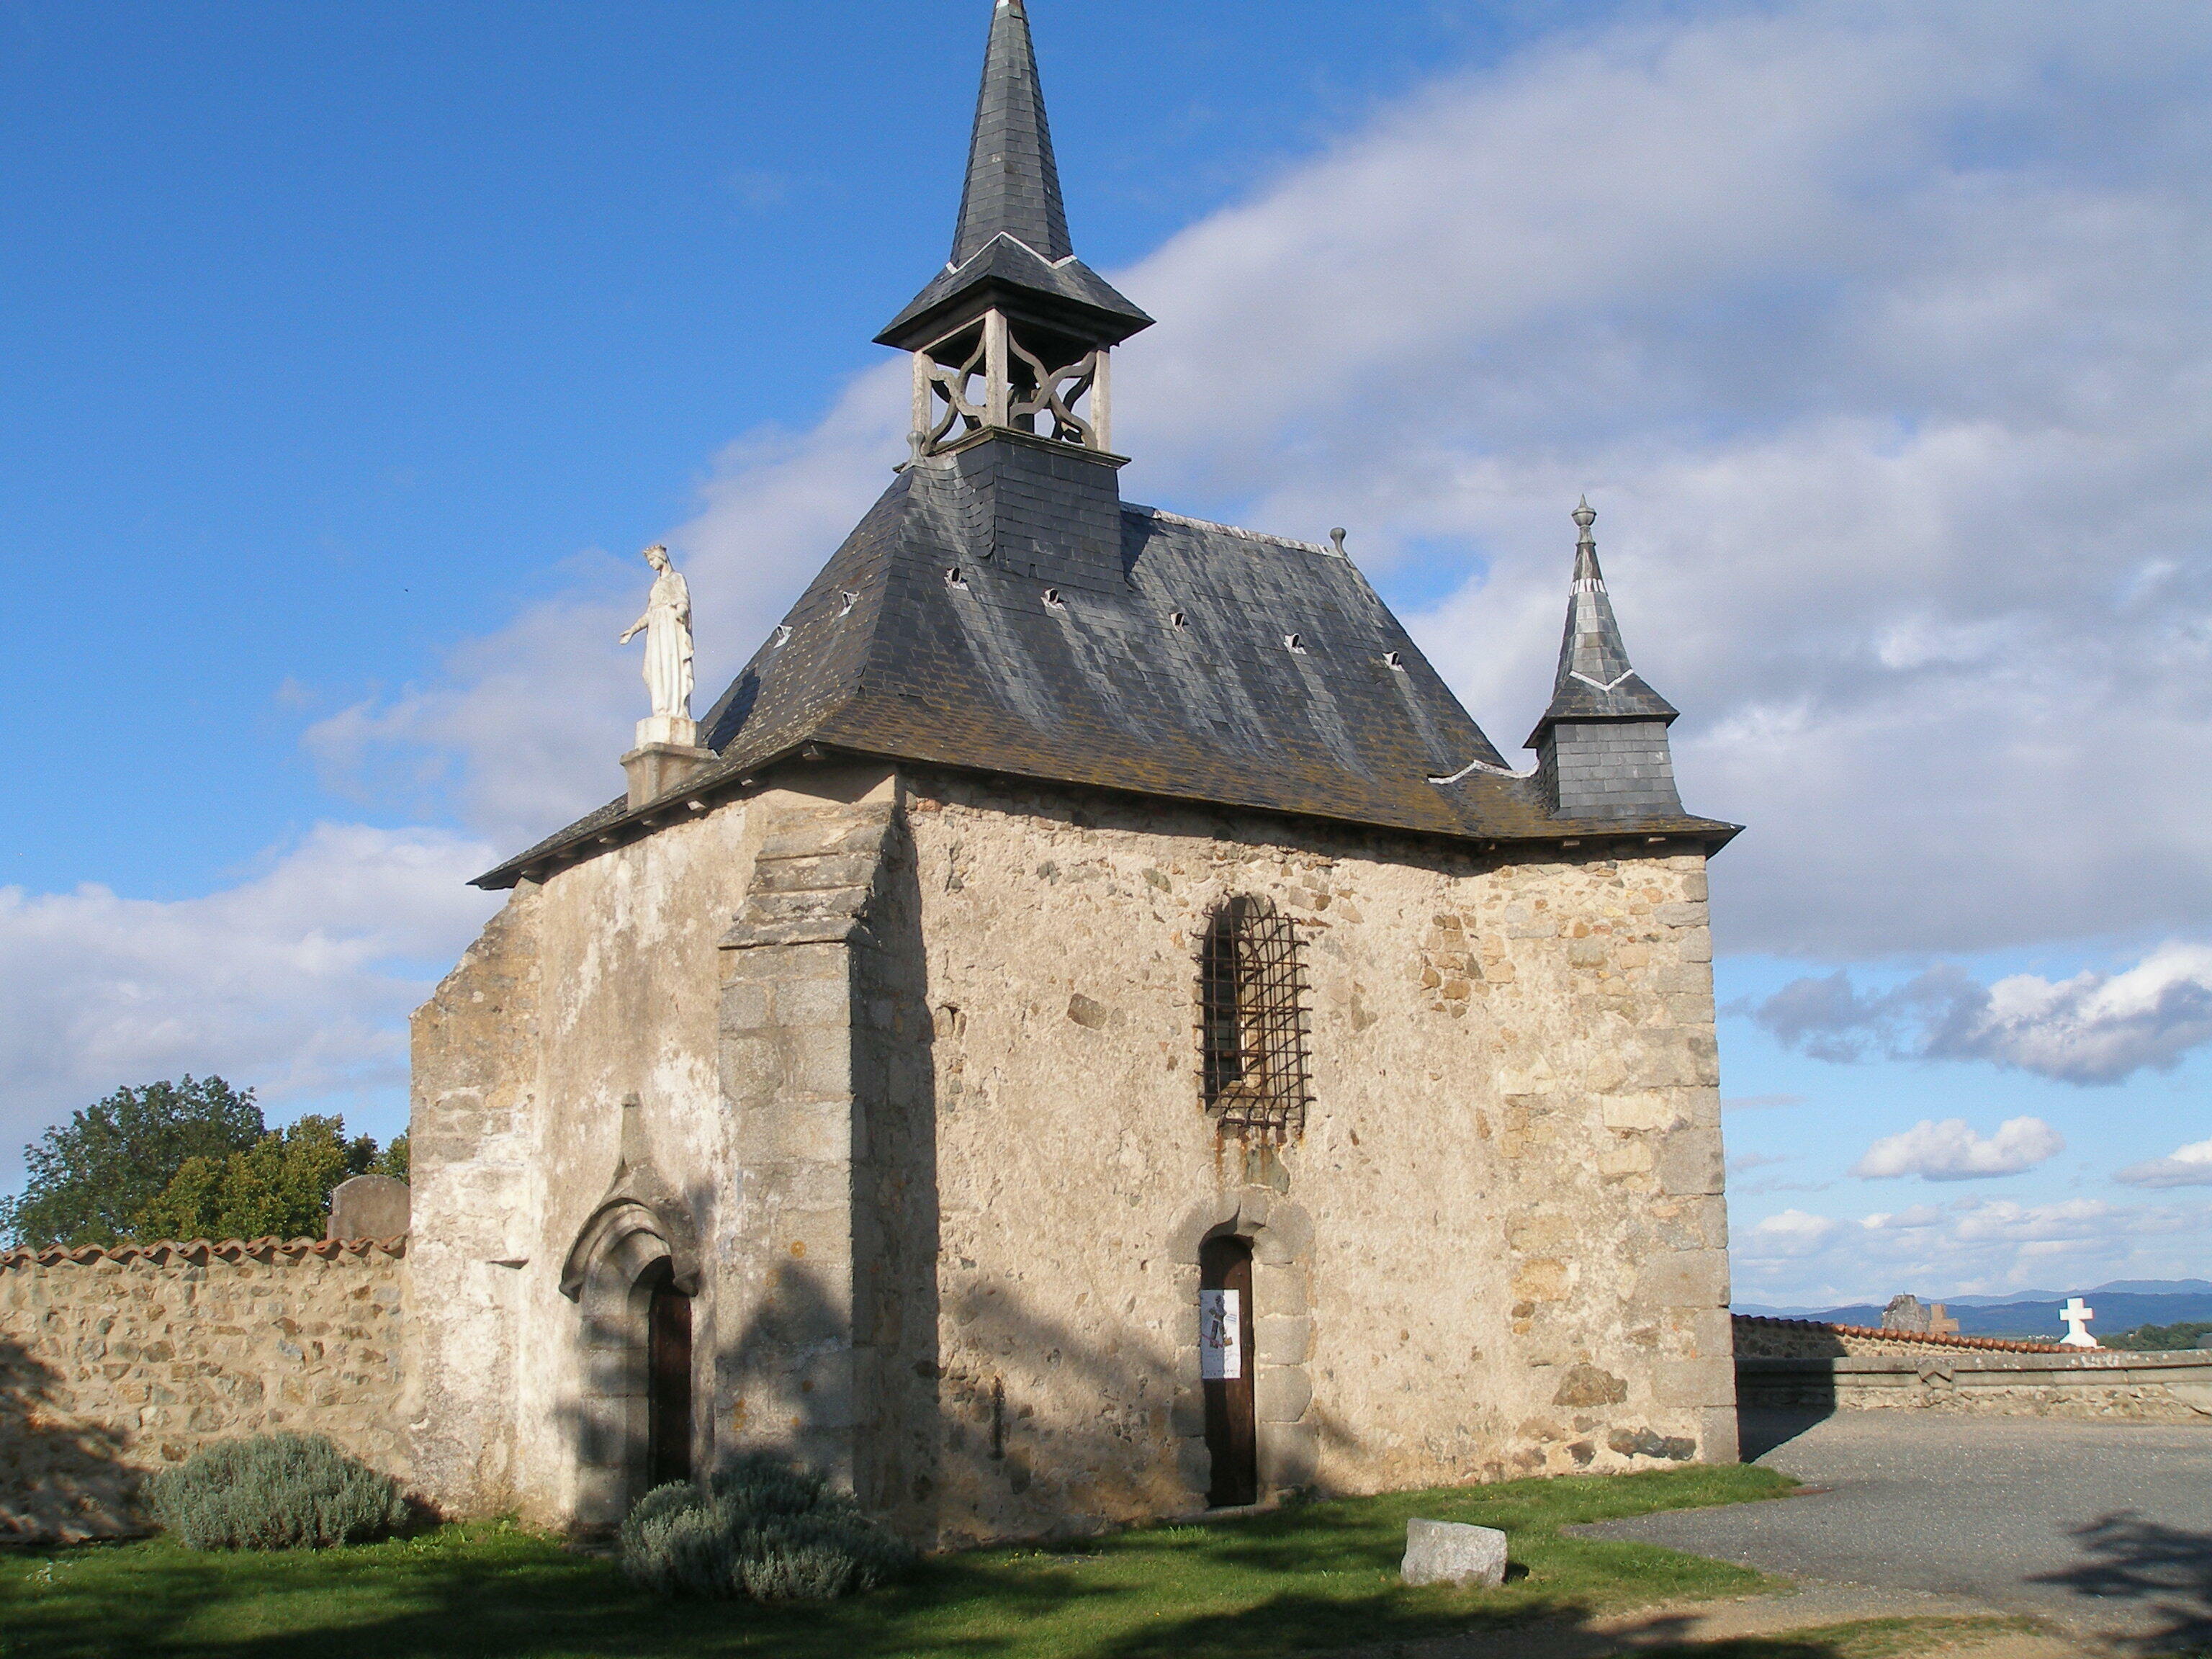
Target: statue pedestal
655, 767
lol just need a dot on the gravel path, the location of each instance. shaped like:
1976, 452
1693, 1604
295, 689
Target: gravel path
2104, 1527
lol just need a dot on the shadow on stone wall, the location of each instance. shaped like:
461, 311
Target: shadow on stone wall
61, 1479
1024, 1425
1759, 1429
898, 1233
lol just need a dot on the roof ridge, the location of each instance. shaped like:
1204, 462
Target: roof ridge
1238, 531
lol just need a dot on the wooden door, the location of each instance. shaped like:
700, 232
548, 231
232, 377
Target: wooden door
1225, 1296
668, 1381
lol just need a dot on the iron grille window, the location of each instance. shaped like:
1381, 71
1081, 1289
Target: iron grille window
1252, 1026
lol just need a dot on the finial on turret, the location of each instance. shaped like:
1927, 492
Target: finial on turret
1585, 516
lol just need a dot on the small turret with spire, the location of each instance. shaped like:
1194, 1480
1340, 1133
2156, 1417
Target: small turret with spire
1601, 746
1015, 334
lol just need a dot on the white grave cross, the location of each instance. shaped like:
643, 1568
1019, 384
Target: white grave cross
2077, 1318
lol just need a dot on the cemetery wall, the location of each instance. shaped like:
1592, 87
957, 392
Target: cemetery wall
1806, 1365
115, 1364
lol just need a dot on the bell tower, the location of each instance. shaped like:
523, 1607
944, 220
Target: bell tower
1016, 334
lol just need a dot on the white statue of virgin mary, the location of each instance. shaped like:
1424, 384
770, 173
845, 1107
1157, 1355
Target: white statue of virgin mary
666, 625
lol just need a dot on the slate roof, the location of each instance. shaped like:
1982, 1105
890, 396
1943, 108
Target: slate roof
1005, 269
1001, 611
1595, 681
1011, 243
1042, 661
1013, 182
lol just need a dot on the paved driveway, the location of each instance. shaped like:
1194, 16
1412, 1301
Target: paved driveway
2104, 1527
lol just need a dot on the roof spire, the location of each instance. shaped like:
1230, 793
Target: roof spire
1595, 681
1014, 307
1013, 184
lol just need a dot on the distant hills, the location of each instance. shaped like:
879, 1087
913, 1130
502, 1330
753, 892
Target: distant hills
2121, 1305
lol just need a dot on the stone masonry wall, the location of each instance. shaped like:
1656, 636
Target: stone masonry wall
1498, 1248
588, 1016
949, 1168
116, 1364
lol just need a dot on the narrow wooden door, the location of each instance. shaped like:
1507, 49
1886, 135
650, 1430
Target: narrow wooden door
1224, 1351
668, 1381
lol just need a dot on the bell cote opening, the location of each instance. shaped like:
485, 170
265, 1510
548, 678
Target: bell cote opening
1015, 333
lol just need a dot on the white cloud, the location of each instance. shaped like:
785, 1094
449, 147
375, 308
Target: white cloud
297, 980
521, 731
2185, 1166
1873, 330
1951, 1151
1793, 1233
1973, 1247
1906, 1220
2091, 1029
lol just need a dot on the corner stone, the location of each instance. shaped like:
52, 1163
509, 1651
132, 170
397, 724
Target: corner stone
1451, 1553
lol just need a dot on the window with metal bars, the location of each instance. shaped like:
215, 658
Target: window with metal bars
1252, 1021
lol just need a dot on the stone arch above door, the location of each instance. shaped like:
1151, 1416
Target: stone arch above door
636, 1199
610, 1269
1281, 1234
638, 1224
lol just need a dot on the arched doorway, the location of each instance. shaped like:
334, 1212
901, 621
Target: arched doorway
667, 1376
634, 1426
1224, 1296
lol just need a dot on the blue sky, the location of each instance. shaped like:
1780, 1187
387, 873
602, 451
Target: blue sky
353, 351
329, 327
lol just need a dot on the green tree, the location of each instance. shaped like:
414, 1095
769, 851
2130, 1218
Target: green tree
90, 1177
392, 1160
2160, 1338
280, 1186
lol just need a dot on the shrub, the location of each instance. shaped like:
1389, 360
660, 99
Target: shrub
763, 1529
276, 1491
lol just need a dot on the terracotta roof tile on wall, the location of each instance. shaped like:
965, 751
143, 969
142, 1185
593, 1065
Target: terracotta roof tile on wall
1989, 1343
201, 1250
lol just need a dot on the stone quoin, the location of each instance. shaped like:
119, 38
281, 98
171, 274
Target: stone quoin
1091, 1029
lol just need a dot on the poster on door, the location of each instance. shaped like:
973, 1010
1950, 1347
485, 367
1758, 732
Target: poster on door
1220, 1336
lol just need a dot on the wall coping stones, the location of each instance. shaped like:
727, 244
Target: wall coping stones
202, 1250
2102, 1361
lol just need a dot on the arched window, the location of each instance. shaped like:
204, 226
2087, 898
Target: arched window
1252, 1028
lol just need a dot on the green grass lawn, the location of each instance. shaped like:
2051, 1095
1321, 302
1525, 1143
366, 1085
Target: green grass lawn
1319, 1577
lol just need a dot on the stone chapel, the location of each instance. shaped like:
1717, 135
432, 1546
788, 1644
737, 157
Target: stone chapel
1086, 1028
